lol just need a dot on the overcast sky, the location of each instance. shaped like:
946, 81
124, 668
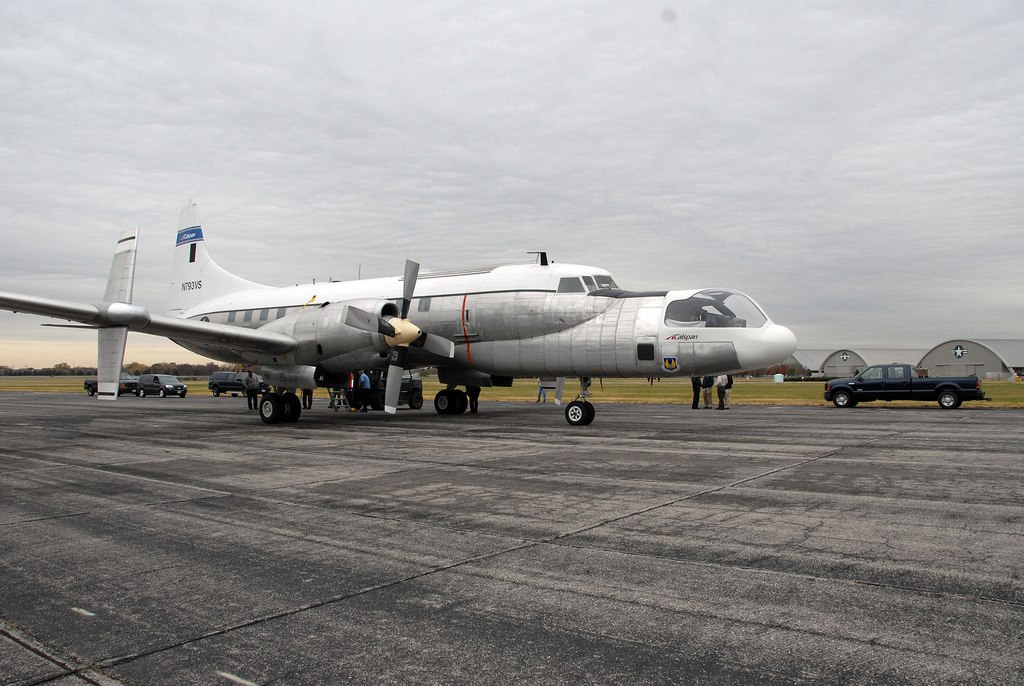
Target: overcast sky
856, 167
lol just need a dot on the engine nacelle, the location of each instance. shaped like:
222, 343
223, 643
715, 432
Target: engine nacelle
302, 376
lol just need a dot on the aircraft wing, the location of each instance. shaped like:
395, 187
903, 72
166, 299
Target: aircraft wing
138, 318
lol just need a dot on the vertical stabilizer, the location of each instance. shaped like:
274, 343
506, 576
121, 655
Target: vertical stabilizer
196, 277
112, 339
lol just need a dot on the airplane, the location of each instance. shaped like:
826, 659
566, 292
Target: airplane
479, 326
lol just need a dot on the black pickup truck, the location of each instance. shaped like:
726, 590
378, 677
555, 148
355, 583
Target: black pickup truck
897, 382
127, 384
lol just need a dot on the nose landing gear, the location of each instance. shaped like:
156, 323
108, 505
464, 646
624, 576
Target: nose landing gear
580, 412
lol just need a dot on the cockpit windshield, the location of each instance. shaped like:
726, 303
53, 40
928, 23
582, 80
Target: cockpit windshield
715, 308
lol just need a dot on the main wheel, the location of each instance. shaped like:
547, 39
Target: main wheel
216, 392
843, 399
949, 400
91, 390
461, 402
271, 408
415, 399
443, 401
579, 413
292, 408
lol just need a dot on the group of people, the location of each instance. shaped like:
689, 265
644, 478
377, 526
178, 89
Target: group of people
360, 398
702, 389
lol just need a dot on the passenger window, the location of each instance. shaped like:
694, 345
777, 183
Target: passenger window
896, 373
281, 311
264, 314
571, 284
424, 305
645, 351
231, 317
248, 316
872, 374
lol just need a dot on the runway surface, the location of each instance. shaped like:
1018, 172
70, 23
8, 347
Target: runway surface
182, 541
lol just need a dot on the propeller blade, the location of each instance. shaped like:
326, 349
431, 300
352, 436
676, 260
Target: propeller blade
393, 389
364, 321
559, 389
436, 345
412, 272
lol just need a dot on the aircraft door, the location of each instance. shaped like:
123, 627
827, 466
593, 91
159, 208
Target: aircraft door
677, 357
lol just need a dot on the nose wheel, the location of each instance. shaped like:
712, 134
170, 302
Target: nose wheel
579, 413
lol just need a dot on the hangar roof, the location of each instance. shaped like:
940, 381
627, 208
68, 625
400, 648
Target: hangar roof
1009, 350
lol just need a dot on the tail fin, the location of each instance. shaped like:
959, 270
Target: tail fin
112, 339
196, 277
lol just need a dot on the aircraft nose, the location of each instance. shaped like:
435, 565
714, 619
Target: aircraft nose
781, 341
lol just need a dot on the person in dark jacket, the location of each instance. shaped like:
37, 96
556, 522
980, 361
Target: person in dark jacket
695, 381
706, 385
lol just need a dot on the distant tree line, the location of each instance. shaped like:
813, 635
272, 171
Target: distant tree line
136, 368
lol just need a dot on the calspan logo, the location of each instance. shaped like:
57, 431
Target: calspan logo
958, 352
682, 337
669, 364
192, 234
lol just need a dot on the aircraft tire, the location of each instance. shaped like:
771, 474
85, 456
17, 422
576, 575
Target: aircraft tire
292, 408
579, 413
443, 402
415, 399
271, 408
461, 402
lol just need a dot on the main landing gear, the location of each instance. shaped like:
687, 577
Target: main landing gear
278, 407
580, 412
451, 401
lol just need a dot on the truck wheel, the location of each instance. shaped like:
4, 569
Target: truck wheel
163, 393
142, 392
216, 392
415, 399
949, 400
843, 399
91, 390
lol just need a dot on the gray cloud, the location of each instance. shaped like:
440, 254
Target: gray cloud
844, 163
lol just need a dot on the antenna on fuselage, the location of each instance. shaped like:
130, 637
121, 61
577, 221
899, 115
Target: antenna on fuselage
543, 256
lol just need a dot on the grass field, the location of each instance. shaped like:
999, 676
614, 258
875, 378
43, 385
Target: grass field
1004, 394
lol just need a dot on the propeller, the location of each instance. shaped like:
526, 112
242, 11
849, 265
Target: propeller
399, 333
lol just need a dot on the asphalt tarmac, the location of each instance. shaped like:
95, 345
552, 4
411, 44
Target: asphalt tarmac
182, 541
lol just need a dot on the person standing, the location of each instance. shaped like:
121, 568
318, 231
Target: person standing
705, 386
728, 391
474, 398
251, 386
720, 382
542, 392
695, 382
307, 398
363, 399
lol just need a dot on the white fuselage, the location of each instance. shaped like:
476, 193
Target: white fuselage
517, 320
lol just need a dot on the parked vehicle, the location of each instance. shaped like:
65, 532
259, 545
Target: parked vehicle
897, 382
162, 385
126, 384
233, 383
411, 393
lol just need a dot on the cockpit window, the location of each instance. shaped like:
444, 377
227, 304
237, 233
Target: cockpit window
715, 308
590, 284
604, 281
571, 284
